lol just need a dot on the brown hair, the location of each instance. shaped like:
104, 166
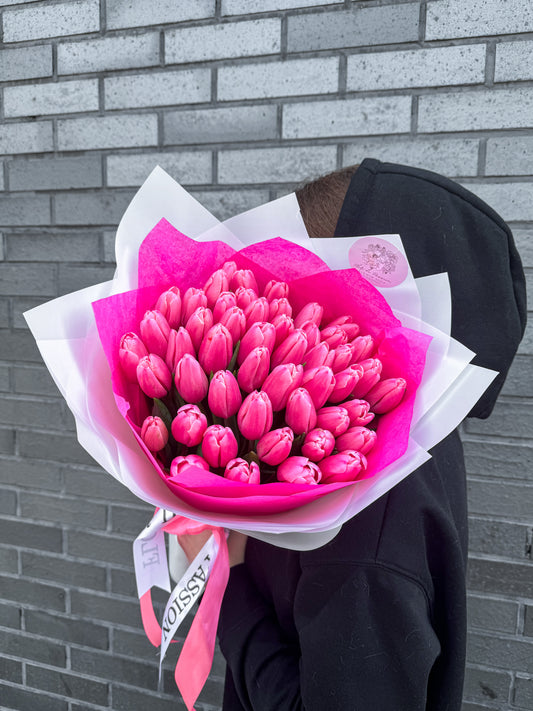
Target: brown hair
321, 201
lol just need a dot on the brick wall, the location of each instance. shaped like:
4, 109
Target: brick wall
237, 99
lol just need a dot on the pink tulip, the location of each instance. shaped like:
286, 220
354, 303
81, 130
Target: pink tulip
259, 334
312, 332
225, 301
215, 285
283, 325
255, 415
192, 299
224, 398
254, 369
190, 379
371, 375
310, 312
153, 376
292, 350
319, 382
169, 304
299, 470
179, 343
318, 444
300, 414
340, 358
154, 434
276, 290
350, 328
362, 347
281, 382
345, 382
334, 418
334, 336
358, 438
257, 311
358, 411
235, 321
216, 349
317, 356
245, 278
275, 446
131, 350
342, 467
155, 332
181, 464
278, 307
198, 324
386, 395
189, 425
242, 471
245, 297
230, 268
219, 445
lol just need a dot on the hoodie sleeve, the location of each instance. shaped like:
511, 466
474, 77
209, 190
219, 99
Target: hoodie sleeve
446, 228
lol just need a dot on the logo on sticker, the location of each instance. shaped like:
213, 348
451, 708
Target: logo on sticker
378, 261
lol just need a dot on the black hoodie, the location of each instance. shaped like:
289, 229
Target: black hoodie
376, 619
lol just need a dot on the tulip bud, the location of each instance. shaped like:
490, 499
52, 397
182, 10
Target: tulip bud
310, 312
312, 332
181, 464
219, 445
257, 311
276, 290
153, 376
333, 418
345, 381
299, 470
154, 434
245, 297
317, 356
198, 324
350, 328
235, 321
255, 415
259, 334
283, 325
169, 304
386, 395
278, 307
225, 301
131, 350
189, 425
371, 375
224, 398
155, 332
318, 444
334, 336
245, 278
358, 412
275, 446
358, 438
242, 471
300, 414
179, 343
254, 369
362, 348
192, 300
190, 379
292, 350
230, 268
342, 467
281, 382
215, 285
340, 358
319, 382
216, 349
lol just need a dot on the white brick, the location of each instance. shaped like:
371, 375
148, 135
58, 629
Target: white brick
289, 78
477, 18
227, 203
514, 61
236, 39
510, 155
158, 89
1, 185
137, 13
455, 157
420, 67
187, 167
353, 117
513, 201
476, 110
107, 132
240, 123
53, 98
247, 7
34, 137
25, 62
67, 18
108, 53
275, 165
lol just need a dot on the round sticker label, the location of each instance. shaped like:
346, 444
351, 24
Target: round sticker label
378, 261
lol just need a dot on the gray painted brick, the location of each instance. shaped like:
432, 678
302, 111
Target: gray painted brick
475, 110
509, 155
511, 500
26, 62
492, 651
125, 699
514, 61
2, 186
484, 685
4, 314
72, 278
100, 548
123, 583
526, 346
523, 696
104, 208
218, 125
26, 592
169, 88
109, 246
353, 117
107, 53
475, 18
16, 210
126, 131
242, 7
10, 615
356, 27
492, 614
66, 572
237, 39
528, 620
52, 98
45, 247
130, 520
11, 670
7, 441
135, 13
288, 78
8, 503
513, 201
51, 446
440, 66
121, 669
77, 513
96, 484
274, 165
15, 2
499, 459
35, 475
497, 537
26, 137
524, 242
62, 683
66, 629
22, 304
227, 203
500, 578
187, 167
519, 381
20, 698
30, 279
67, 18
452, 157
5, 384
19, 644
106, 608
18, 345
55, 173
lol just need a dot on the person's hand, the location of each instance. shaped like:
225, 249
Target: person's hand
192, 543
